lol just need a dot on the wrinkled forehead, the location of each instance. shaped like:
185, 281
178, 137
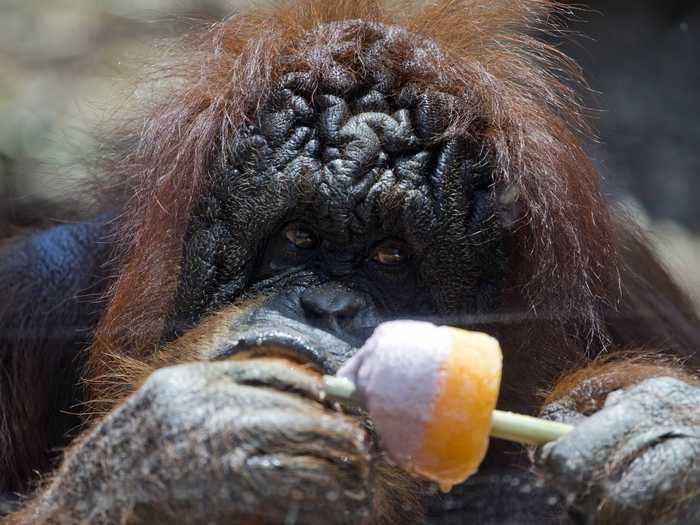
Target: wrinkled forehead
362, 154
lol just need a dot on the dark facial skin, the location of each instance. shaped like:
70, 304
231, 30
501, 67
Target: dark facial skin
345, 212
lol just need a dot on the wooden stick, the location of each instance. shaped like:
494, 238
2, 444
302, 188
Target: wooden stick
504, 425
526, 429
339, 387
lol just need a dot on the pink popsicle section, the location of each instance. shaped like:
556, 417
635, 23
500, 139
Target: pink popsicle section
400, 409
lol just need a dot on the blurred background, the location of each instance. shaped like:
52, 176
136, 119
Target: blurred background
67, 68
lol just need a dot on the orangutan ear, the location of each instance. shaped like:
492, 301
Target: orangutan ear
509, 207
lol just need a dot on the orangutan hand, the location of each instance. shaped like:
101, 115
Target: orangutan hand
637, 460
217, 442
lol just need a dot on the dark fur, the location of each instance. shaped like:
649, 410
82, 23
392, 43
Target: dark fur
52, 295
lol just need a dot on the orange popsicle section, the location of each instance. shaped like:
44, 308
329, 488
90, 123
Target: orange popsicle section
457, 434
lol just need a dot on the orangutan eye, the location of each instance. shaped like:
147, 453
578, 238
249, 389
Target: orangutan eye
302, 238
390, 253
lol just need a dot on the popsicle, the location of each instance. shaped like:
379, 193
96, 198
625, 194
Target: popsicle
431, 392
